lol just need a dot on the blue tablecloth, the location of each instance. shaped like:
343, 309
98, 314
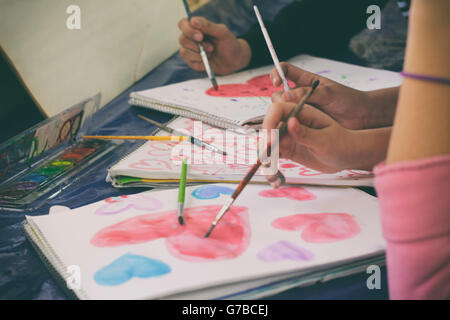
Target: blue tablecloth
23, 275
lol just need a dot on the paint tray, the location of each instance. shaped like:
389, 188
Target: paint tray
41, 162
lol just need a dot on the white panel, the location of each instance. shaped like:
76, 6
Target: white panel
119, 42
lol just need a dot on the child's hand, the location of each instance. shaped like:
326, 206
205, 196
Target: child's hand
353, 109
225, 52
317, 141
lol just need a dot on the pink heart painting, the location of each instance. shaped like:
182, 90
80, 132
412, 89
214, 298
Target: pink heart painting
151, 164
260, 86
229, 239
293, 193
142, 202
320, 227
160, 149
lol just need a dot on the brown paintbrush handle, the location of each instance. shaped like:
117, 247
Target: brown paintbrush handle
246, 179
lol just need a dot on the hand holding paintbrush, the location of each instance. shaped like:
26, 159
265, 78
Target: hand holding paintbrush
251, 173
203, 54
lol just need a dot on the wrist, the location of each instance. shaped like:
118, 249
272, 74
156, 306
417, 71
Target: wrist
369, 147
349, 151
380, 107
355, 150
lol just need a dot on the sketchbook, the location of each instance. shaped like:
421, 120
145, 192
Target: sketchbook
158, 163
132, 247
243, 98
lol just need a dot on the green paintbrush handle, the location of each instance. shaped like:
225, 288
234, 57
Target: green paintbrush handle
181, 193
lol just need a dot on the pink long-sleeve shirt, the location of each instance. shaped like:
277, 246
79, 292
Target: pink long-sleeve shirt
415, 215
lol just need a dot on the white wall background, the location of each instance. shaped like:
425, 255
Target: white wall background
119, 42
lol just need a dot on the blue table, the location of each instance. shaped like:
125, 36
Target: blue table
23, 275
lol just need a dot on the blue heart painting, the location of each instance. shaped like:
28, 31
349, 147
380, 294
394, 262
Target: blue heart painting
129, 266
211, 192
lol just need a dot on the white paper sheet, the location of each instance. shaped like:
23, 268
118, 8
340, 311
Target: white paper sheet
197, 96
162, 160
332, 226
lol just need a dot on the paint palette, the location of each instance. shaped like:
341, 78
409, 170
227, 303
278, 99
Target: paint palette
45, 159
53, 173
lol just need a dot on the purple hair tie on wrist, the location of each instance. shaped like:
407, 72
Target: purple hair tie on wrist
425, 77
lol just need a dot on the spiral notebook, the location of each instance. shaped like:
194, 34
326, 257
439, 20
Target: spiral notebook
158, 163
132, 247
243, 98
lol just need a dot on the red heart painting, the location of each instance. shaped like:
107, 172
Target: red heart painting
260, 86
320, 227
293, 193
229, 239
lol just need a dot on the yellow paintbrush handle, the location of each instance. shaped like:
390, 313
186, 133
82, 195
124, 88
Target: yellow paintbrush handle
152, 138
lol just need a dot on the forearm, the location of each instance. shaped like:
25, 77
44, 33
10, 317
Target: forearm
422, 123
413, 186
381, 107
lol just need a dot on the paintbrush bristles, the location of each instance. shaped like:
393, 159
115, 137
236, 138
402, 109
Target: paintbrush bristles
215, 85
209, 230
222, 212
315, 85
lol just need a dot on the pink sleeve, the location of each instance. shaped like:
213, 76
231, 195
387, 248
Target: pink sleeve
415, 215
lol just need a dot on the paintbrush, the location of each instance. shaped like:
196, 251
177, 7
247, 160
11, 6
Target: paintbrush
203, 54
192, 139
276, 62
182, 192
251, 173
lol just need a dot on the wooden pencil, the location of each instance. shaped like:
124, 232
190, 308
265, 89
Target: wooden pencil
152, 138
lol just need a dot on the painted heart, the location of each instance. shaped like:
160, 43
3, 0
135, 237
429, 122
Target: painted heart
229, 239
260, 86
129, 266
306, 172
206, 170
239, 168
211, 192
142, 202
284, 250
151, 164
356, 174
320, 227
293, 193
158, 149
288, 165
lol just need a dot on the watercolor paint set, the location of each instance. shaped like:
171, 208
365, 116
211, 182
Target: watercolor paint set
49, 157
